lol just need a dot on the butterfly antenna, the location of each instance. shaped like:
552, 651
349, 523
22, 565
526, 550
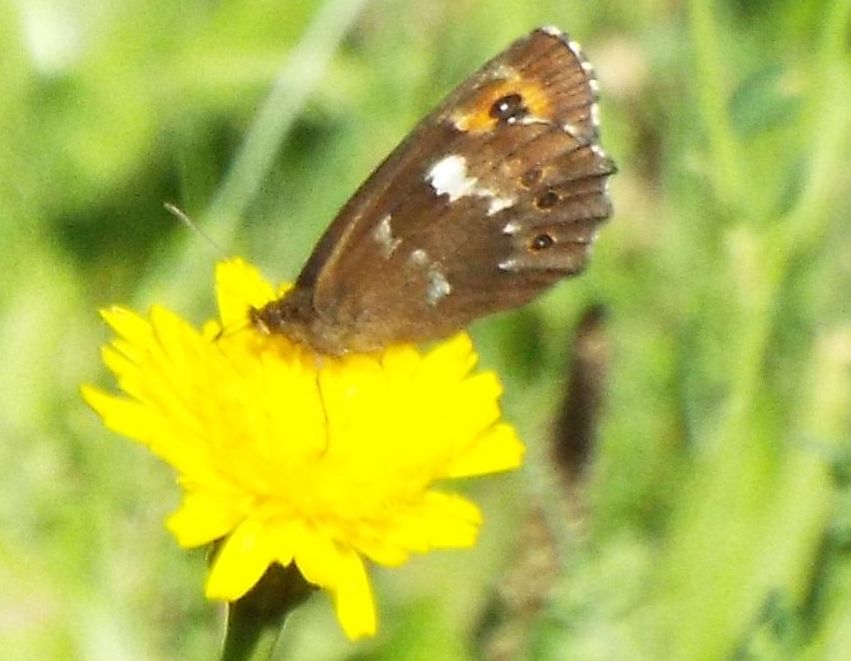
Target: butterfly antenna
194, 227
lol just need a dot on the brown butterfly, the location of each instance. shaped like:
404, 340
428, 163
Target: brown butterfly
492, 198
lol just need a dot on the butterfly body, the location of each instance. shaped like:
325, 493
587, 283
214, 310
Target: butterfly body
492, 198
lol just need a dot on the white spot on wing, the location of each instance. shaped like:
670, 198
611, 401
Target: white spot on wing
595, 114
497, 204
552, 30
530, 119
449, 177
383, 234
571, 130
438, 285
576, 49
505, 71
508, 265
512, 227
419, 257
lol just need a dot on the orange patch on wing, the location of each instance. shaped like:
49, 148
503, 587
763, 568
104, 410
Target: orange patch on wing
475, 116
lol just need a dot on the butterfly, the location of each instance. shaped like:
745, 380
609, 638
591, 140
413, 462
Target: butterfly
495, 196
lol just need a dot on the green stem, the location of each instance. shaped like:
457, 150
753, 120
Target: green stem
300, 75
304, 70
712, 98
255, 621
807, 223
803, 228
752, 522
772, 250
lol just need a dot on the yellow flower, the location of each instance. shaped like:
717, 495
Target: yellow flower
288, 456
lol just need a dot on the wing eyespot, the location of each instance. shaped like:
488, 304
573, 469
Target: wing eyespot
547, 200
541, 242
509, 108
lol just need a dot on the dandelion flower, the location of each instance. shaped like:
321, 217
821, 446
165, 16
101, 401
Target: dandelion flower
285, 456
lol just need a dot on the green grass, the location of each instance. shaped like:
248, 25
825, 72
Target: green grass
717, 514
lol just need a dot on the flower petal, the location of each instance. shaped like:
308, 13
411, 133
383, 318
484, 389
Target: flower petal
239, 564
203, 518
439, 521
497, 450
353, 599
129, 325
122, 416
239, 287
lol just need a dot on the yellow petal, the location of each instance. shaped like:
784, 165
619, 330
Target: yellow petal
133, 328
319, 558
122, 416
239, 287
497, 450
203, 518
439, 521
239, 564
353, 600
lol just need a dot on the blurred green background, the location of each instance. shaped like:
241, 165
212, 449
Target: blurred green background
714, 517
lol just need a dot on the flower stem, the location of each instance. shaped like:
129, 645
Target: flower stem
712, 89
256, 620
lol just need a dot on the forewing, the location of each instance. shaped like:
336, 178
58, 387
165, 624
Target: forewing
493, 197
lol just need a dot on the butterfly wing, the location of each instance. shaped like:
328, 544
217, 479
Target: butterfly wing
493, 197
